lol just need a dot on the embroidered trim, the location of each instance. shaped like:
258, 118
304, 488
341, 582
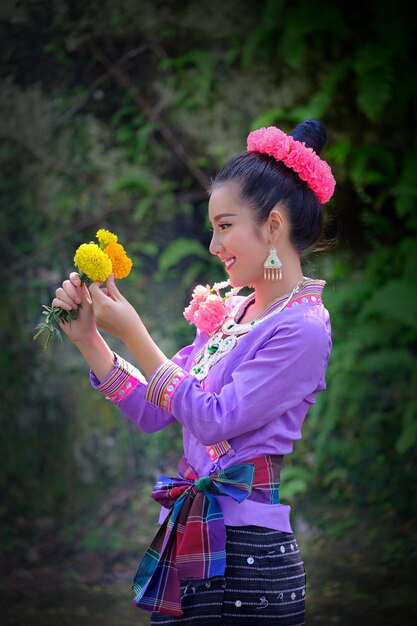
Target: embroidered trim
163, 384
120, 383
311, 298
217, 450
309, 294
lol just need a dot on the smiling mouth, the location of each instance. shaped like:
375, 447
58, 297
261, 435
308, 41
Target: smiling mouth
229, 262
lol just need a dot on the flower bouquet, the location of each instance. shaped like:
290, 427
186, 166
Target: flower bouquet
95, 262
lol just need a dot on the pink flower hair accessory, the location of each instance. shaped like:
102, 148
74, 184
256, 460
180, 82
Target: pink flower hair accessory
207, 309
297, 156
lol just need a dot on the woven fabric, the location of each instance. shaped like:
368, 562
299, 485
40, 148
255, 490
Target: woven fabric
190, 544
264, 584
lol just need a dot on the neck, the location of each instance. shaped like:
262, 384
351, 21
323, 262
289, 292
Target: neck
266, 291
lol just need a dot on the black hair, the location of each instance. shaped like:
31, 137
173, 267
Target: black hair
263, 182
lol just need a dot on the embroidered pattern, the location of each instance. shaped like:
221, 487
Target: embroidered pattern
310, 294
306, 299
121, 382
217, 450
163, 384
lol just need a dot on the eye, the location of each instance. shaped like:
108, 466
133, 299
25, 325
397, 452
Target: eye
224, 226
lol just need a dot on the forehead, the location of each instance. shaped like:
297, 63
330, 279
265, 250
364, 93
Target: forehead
225, 199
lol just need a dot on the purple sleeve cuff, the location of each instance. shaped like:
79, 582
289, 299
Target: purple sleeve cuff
163, 384
121, 381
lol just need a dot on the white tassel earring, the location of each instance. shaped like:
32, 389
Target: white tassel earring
273, 266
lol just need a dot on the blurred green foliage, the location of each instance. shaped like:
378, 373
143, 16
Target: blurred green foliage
116, 115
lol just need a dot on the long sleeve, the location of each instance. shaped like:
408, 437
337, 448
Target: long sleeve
126, 387
286, 369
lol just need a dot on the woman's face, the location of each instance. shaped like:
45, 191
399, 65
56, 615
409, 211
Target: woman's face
240, 244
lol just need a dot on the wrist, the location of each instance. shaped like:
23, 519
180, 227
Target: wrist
134, 333
98, 355
92, 338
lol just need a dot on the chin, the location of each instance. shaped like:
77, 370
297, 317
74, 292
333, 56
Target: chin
235, 282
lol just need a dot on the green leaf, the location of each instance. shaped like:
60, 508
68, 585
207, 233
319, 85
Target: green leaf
336, 474
396, 300
271, 117
131, 182
179, 250
292, 488
305, 21
374, 72
265, 30
322, 100
408, 437
406, 190
294, 480
371, 164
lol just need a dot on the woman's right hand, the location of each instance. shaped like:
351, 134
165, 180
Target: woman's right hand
73, 295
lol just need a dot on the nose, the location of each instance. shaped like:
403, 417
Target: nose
215, 246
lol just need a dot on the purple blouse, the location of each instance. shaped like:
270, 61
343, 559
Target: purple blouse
256, 397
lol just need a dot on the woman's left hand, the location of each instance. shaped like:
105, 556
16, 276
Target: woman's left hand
112, 312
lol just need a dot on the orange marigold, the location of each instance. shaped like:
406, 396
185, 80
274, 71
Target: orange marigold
120, 261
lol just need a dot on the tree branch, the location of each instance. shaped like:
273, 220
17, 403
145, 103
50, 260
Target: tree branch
69, 113
41, 155
143, 104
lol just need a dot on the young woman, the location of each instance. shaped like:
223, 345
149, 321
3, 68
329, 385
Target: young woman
225, 553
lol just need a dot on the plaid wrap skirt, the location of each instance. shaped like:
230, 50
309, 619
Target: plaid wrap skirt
264, 583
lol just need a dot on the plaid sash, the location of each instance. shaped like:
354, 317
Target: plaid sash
190, 544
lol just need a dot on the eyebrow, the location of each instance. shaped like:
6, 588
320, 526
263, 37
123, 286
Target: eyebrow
219, 217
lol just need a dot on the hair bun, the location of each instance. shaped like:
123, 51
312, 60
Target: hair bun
312, 132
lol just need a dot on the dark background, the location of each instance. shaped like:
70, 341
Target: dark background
114, 114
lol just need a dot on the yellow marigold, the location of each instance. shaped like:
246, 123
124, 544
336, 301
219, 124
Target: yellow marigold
105, 237
91, 260
119, 259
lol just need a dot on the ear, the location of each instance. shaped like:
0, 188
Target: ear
276, 224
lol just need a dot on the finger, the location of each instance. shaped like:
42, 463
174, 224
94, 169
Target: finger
97, 294
71, 291
75, 279
84, 294
112, 290
63, 297
62, 304
95, 290
106, 291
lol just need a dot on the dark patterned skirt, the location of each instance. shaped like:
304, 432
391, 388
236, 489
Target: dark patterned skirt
264, 584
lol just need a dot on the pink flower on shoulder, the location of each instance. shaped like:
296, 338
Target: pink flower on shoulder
211, 314
199, 294
208, 310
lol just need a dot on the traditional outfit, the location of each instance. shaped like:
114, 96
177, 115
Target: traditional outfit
225, 553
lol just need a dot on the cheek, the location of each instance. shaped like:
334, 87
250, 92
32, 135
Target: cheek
253, 244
